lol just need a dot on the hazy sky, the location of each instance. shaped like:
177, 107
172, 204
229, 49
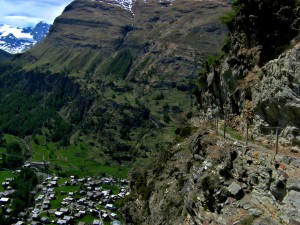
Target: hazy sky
29, 12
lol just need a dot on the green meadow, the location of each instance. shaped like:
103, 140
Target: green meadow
75, 159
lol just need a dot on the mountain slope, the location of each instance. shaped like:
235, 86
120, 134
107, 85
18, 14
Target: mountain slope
95, 25
4, 55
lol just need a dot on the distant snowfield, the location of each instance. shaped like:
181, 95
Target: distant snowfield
13, 50
5, 30
17, 39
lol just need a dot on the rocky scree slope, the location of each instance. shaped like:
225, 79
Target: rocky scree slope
206, 180
257, 80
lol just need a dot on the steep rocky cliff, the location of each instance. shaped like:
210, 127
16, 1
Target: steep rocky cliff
256, 81
276, 96
208, 180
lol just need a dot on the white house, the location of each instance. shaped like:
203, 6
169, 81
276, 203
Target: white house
4, 200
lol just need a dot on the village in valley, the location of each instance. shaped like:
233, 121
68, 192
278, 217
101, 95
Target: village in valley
70, 200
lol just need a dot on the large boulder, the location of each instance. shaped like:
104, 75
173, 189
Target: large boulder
234, 188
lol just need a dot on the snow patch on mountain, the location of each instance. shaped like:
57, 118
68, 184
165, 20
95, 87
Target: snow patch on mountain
16, 49
125, 4
18, 32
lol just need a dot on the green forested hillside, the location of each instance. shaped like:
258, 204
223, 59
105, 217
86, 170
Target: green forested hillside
4, 55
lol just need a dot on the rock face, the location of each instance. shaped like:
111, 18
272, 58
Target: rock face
276, 96
234, 188
257, 79
251, 186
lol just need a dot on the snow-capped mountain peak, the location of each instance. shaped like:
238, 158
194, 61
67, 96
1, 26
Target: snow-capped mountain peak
17, 39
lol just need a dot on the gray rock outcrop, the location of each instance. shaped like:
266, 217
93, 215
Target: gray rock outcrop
276, 97
234, 188
257, 81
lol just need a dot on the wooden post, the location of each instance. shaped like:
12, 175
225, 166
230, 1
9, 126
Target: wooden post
224, 127
247, 129
277, 140
217, 125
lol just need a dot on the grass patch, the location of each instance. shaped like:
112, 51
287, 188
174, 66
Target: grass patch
56, 203
88, 219
248, 220
3, 176
114, 171
120, 65
234, 134
10, 138
114, 188
2, 150
75, 159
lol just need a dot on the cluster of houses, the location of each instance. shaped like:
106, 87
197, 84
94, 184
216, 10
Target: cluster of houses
5, 196
90, 198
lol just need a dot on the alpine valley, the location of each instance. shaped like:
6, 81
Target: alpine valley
117, 78
116, 115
